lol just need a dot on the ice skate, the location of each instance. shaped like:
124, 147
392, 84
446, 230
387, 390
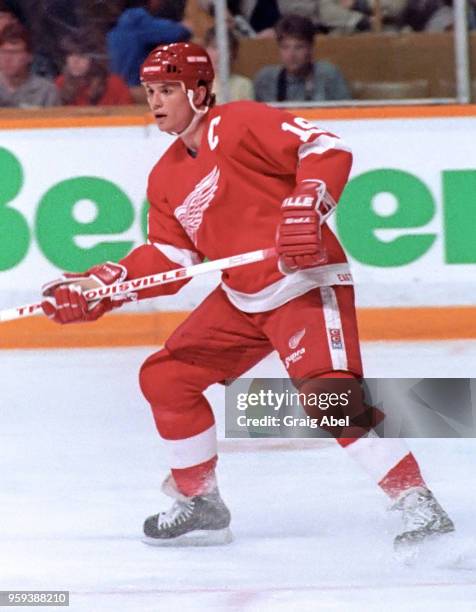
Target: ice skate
201, 520
423, 517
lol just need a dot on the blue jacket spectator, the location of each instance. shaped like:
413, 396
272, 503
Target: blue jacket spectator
136, 33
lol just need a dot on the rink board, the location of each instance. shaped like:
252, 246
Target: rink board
153, 328
74, 195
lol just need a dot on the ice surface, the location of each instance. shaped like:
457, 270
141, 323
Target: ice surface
81, 468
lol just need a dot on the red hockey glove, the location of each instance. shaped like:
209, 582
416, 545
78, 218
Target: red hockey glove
65, 302
298, 241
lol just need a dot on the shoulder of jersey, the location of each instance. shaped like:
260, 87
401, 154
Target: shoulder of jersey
230, 121
240, 111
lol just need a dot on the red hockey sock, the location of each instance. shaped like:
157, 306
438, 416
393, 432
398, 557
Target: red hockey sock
405, 474
196, 480
388, 461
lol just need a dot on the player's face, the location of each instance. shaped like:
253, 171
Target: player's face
296, 54
170, 106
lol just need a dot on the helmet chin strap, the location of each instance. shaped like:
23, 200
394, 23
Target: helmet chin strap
199, 113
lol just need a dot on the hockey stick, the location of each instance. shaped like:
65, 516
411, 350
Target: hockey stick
153, 280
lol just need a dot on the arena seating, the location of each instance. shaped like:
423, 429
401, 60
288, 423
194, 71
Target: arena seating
417, 63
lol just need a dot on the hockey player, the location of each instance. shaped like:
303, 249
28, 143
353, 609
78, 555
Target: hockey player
240, 177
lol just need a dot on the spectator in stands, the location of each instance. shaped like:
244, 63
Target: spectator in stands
48, 21
136, 33
19, 87
249, 18
240, 87
85, 81
299, 78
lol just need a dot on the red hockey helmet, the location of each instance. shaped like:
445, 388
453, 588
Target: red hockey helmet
185, 62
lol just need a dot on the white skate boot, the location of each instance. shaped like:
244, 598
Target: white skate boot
422, 515
201, 520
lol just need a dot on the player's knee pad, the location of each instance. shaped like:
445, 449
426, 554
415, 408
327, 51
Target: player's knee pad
169, 382
339, 397
159, 380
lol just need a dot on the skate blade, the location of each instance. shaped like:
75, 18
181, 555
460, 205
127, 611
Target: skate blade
200, 537
440, 550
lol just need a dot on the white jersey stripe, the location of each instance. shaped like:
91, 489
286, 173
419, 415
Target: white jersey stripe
183, 257
289, 287
334, 331
321, 145
192, 451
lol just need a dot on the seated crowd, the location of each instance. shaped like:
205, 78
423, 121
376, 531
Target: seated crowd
54, 53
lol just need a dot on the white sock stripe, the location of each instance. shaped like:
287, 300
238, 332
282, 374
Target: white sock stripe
334, 331
377, 455
192, 451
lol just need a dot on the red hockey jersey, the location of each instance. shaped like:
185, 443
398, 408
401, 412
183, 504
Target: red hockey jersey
227, 199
